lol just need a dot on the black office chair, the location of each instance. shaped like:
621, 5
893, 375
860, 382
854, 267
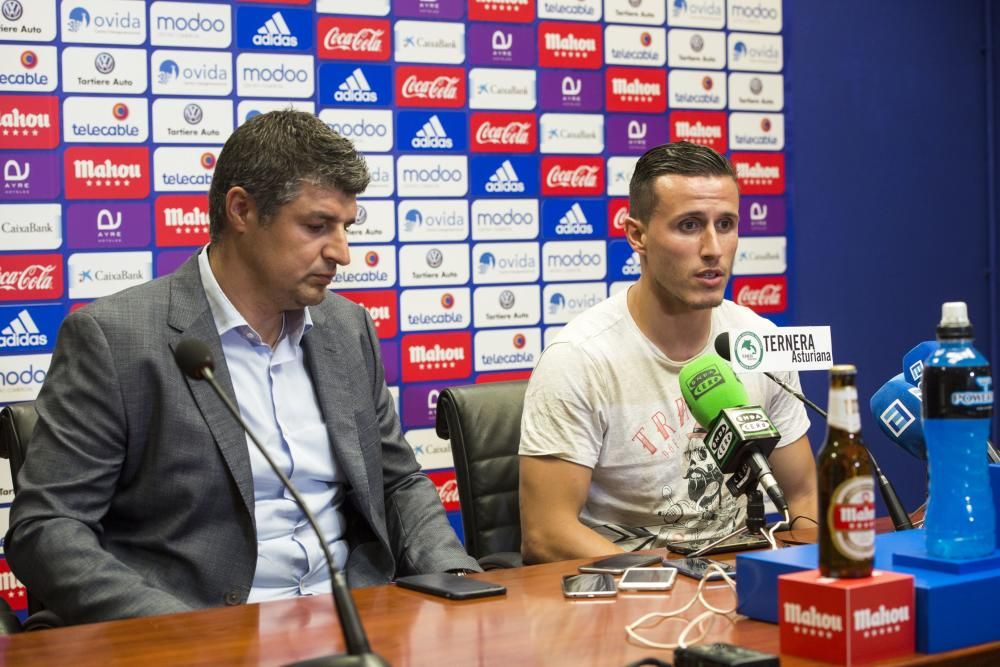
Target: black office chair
483, 422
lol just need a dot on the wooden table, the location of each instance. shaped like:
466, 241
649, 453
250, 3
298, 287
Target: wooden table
532, 625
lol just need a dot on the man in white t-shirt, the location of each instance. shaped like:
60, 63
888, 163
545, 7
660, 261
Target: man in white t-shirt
606, 436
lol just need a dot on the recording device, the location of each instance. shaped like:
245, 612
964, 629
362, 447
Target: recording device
737, 543
740, 436
621, 562
451, 586
696, 567
589, 585
195, 359
648, 579
722, 655
913, 361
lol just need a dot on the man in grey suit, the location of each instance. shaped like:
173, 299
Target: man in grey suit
140, 494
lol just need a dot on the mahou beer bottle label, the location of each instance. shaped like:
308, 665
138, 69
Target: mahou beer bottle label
843, 407
852, 518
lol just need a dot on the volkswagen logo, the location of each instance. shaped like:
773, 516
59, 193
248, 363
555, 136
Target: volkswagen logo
507, 299
756, 85
193, 114
697, 43
434, 258
104, 62
12, 10
362, 216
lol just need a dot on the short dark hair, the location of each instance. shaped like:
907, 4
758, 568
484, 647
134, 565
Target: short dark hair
680, 157
273, 154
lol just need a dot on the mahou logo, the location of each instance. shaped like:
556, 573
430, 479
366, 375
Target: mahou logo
437, 356
14, 593
106, 173
447, 489
705, 128
29, 121
617, 212
354, 39
383, 308
181, 220
575, 45
509, 11
430, 87
635, 89
31, 277
760, 173
504, 132
568, 176
762, 294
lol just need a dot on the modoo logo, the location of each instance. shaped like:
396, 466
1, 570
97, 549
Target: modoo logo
574, 260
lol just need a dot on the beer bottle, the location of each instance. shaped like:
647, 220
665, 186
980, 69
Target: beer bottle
846, 486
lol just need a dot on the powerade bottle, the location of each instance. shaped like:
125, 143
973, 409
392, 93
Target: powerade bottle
957, 406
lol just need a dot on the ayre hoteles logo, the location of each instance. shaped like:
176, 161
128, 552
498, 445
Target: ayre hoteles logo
500, 263
504, 132
576, 45
429, 42
628, 45
697, 89
21, 377
570, 10
381, 307
103, 21
181, 220
27, 21
437, 356
32, 69
371, 266
351, 84
184, 169
102, 172
191, 121
706, 128
634, 134
432, 131
499, 175
269, 75
759, 53
104, 70
29, 175
765, 294
564, 176
30, 226
762, 215
503, 45
433, 264
435, 309
502, 88
507, 306
370, 130
756, 92
760, 173
636, 90
108, 225
28, 329
29, 121
111, 120
430, 86
31, 277
424, 9
565, 301
432, 176
757, 131
353, 39
513, 11
504, 219
200, 25
191, 72
267, 28
433, 220
507, 349
568, 90
96, 274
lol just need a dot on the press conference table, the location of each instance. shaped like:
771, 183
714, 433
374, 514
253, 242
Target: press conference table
532, 625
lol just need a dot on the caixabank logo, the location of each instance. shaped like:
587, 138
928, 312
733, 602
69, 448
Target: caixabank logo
576, 45
706, 128
274, 30
568, 90
496, 44
635, 134
29, 121
382, 308
431, 131
29, 175
109, 120
181, 220
437, 356
564, 176
96, 274
103, 21
187, 169
571, 132
513, 11
504, 132
200, 25
30, 226
430, 87
429, 42
33, 69
31, 277
635, 89
370, 266
27, 21
103, 172
353, 39
492, 88
499, 176
760, 173
108, 225
573, 218
104, 70
29, 329
366, 85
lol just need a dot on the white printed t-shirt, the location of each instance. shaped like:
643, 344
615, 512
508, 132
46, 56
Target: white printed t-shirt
605, 397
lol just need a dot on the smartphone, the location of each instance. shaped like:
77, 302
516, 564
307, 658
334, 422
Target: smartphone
589, 585
695, 568
621, 562
741, 543
648, 579
451, 586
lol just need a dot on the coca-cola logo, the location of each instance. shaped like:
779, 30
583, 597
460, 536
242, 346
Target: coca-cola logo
353, 39
430, 86
504, 132
762, 294
617, 212
580, 177
439, 88
509, 134
572, 176
31, 277
447, 489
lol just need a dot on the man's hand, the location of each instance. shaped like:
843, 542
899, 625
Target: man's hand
795, 470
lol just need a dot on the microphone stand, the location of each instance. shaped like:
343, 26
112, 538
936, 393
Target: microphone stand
359, 652
755, 522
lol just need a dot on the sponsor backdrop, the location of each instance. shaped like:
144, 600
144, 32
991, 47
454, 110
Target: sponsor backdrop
501, 136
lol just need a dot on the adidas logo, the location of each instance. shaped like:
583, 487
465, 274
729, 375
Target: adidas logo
632, 267
22, 332
355, 88
505, 179
275, 32
432, 135
574, 222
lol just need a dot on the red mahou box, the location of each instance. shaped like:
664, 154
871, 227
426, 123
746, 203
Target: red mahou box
846, 621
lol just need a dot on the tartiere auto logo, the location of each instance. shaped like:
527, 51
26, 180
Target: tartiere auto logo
101, 172
354, 39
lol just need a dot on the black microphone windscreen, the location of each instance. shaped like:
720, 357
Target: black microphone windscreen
722, 345
194, 357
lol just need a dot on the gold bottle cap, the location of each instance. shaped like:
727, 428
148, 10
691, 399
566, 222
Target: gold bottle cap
843, 369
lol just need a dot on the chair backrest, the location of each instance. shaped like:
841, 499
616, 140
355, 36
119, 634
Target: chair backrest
483, 422
17, 423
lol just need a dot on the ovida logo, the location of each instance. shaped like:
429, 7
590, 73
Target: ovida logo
169, 72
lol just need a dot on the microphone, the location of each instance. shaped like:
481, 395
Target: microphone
195, 360
900, 519
740, 436
913, 361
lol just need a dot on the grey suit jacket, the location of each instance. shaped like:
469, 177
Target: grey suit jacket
136, 496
